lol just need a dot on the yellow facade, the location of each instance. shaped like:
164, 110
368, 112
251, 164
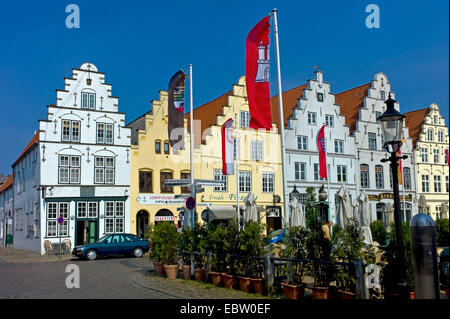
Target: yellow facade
152, 127
434, 136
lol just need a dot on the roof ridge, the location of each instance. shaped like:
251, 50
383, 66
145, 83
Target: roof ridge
356, 87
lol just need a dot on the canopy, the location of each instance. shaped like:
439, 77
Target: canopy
344, 210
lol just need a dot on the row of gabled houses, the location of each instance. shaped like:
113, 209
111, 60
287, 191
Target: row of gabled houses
101, 175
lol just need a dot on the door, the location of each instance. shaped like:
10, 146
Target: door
92, 237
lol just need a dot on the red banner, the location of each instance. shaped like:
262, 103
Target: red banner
446, 156
227, 148
257, 71
322, 153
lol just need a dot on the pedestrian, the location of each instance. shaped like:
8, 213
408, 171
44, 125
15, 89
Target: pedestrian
326, 229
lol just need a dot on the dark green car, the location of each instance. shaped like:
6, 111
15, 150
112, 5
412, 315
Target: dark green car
113, 245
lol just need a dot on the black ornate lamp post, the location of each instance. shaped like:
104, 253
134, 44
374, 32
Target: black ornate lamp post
392, 123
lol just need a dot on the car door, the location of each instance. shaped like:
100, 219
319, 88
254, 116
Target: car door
129, 244
104, 246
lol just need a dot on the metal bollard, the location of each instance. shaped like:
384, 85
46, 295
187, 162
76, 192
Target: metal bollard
424, 257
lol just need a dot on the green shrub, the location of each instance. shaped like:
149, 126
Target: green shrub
295, 248
379, 233
164, 243
442, 233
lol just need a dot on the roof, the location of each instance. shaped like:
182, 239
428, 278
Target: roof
351, 101
7, 184
414, 121
290, 101
33, 141
207, 114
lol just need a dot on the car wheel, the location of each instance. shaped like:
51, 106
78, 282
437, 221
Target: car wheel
137, 252
91, 254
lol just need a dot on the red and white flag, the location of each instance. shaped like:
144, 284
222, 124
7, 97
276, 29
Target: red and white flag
322, 153
227, 148
257, 75
446, 156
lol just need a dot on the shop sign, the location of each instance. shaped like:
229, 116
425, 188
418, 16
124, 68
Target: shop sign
160, 199
377, 198
164, 218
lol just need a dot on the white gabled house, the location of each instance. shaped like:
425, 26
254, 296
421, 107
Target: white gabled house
82, 165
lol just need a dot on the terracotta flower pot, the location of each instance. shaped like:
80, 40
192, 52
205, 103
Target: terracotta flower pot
412, 295
258, 285
346, 295
244, 283
216, 278
320, 292
228, 280
199, 274
159, 268
187, 272
293, 291
171, 271
446, 292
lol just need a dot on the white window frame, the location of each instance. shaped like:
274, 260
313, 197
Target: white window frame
342, 173
312, 118
425, 183
372, 138
218, 176
73, 171
256, 151
245, 181
102, 171
103, 138
329, 120
245, 119
88, 100
302, 142
300, 171
339, 146
268, 182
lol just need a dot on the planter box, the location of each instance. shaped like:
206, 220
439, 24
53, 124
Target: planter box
292, 291
258, 285
199, 274
245, 284
216, 278
320, 292
346, 295
229, 280
187, 272
171, 271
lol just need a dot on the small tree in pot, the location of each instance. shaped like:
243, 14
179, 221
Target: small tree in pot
155, 254
165, 239
185, 249
294, 241
231, 247
215, 238
348, 246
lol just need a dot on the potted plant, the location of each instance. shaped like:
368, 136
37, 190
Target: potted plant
155, 254
348, 244
165, 237
294, 243
318, 248
185, 249
230, 247
198, 242
215, 238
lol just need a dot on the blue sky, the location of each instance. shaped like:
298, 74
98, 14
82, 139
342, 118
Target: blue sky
141, 44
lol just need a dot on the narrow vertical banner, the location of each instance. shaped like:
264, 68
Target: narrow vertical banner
446, 156
176, 110
227, 148
257, 75
400, 169
322, 153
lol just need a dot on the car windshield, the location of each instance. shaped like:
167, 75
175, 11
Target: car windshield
102, 239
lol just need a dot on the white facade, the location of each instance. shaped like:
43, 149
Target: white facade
316, 107
369, 147
84, 162
6, 210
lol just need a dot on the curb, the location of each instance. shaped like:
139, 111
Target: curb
139, 284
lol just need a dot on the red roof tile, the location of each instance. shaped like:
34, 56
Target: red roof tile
414, 121
8, 183
33, 141
290, 102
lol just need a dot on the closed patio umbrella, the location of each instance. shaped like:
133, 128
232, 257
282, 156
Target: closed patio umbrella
444, 210
389, 216
422, 204
364, 217
344, 209
250, 211
296, 215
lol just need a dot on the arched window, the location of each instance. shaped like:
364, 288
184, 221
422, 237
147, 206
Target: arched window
440, 136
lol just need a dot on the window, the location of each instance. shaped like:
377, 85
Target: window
218, 176
145, 182
329, 120
437, 184
70, 131
105, 133
245, 119
425, 183
88, 100
104, 170
114, 217
435, 119
267, 182
158, 147
163, 177
166, 147
382, 141
382, 95
430, 135
379, 177
440, 136
185, 189
54, 211
438, 212
316, 172
92, 210
300, 171
339, 146
302, 142
372, 141
424, 152
312, 118
436, 156
406, 177
391, 181
364, 170
320, 97
245, 181
342, 173
256, 151
69, 169
81, 209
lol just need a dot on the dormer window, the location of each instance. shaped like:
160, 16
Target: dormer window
88, 100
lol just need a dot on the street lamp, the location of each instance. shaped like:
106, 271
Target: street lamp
392, 123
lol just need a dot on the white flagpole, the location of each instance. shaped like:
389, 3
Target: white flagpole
280, 98
192, 223
237, 171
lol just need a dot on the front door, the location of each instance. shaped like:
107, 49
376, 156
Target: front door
92, 232
86, 232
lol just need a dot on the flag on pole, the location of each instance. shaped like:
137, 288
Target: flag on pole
400, 169
257, 68
446, 156
227, 148
322, 153
176, 109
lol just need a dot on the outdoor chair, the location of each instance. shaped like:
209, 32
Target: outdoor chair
48, 247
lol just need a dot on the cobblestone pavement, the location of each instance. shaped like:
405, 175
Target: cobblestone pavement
37, 276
